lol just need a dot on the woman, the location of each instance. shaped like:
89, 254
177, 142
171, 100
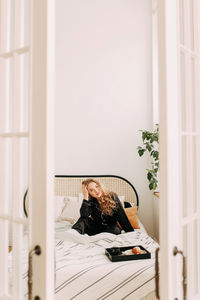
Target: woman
100, 211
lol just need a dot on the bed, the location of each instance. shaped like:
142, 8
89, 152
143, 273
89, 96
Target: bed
83, 271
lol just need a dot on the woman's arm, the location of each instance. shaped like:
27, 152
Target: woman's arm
85, 210
121, 215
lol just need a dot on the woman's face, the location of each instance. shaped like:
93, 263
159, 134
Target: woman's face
94, 190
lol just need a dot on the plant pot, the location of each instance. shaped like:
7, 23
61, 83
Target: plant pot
157, 194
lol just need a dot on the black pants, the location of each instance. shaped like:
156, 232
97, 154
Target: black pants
90, 227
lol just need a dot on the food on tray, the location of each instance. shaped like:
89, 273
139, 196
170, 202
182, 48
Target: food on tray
136, 250
127, 252
116, 251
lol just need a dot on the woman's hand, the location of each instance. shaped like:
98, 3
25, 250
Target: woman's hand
85, 192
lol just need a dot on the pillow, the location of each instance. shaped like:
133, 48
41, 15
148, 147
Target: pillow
131, 213
80, 197
71, 209
59, 204
122, 199
71, 198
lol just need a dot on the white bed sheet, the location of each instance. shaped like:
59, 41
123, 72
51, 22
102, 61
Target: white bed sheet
83, 271
62, 231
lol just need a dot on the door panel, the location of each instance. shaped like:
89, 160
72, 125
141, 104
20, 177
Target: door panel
179, 117
26, 142
41, 173
13, 151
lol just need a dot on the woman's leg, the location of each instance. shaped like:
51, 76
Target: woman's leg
87, 226
80, 225
122, 218
112, 229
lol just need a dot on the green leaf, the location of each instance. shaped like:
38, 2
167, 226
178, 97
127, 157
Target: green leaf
154, 185
141, 152
156, 138
143, 135
152, 152
155, 154
152, 139
149, 176
155, 170
148, 135
149, 148
151, 186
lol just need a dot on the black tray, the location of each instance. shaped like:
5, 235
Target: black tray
114, 254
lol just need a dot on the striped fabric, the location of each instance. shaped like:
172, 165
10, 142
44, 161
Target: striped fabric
83, 271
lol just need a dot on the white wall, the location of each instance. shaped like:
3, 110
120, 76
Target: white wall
103, 90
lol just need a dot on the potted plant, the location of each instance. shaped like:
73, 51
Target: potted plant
151, 145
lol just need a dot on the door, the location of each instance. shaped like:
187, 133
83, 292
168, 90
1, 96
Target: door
179, 84
26, 144
41, 154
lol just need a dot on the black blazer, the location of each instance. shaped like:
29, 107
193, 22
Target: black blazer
93, 209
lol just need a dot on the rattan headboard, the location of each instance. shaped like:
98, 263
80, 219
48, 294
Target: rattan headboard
70, 185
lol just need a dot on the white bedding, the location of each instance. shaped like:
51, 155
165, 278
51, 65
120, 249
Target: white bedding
83, 271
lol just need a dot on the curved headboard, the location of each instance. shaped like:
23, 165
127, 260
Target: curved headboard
70, 185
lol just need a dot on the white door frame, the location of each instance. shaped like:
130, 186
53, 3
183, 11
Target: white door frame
169, 155
41, 173
179, 81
